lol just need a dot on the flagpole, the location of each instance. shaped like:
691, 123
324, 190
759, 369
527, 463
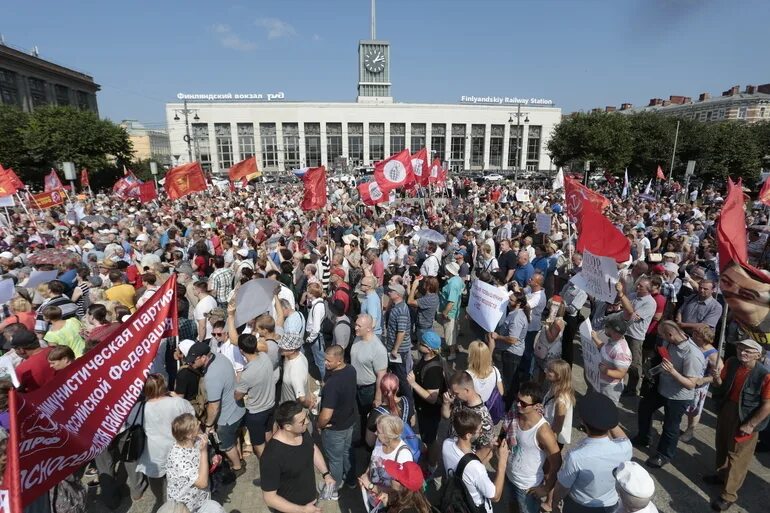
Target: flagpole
26, 210
722, 329
13, 472
673, 154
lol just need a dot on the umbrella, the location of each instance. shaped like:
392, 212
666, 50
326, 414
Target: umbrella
98, 218
428, 235
55, 256
254, 298
404, 220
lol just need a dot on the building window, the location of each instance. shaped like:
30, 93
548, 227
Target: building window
496, 146
83, 100
514, 147
312, 144
742, 112
200, 133
269, 143
761, 112
478, 133
356, 144
290, 146
9, 88
533, 146
457, 149
397, 137
62, 94
721, 113
418, 137
224, 142
333, 143
37, 92
438, 142
376, 142
246, 140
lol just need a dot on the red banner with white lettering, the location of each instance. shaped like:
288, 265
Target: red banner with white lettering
72, 418
48, 199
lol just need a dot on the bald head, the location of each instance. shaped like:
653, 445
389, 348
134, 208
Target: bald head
536, 282
523, 258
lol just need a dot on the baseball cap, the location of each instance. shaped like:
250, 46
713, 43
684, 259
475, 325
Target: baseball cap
398, 289
243, 252
290, 342
184, 346
431, 339
634, 480
598, 411
196, 350
745, 342
658, 269
7, 255
409, 474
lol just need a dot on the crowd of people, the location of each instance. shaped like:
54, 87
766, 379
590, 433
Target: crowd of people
366, 348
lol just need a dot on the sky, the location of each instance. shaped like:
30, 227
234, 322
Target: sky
579, 53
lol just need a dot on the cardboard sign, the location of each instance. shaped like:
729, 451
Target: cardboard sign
522, 195
544, 223
597, 277
38, 277
591, 355
486, 304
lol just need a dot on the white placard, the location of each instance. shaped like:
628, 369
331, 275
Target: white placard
6, 290
597, 277
38, 277
591, 355
522, 195
7, 370
544, 223
486, 304
7, 201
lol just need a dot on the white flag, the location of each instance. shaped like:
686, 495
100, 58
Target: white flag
625, 186
558, 181
649, 187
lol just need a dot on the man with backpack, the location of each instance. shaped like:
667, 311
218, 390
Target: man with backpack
461, 396
469, 488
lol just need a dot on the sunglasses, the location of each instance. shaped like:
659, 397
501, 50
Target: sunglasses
524, 404
217, 334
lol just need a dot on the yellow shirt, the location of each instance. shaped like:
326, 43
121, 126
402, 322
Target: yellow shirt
67, 335
123, 294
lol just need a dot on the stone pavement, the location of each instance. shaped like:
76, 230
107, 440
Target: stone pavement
679, 486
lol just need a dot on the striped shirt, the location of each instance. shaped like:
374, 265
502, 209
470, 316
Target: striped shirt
68, 310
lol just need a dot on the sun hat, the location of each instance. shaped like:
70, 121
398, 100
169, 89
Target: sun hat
290, 342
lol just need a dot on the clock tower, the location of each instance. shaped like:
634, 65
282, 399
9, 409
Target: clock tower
374, 68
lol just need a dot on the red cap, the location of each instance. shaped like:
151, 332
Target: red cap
408, 474
659, 269
339, 271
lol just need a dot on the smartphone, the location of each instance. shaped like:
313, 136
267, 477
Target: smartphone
501, 436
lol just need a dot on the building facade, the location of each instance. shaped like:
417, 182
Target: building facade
148, 143
29, 82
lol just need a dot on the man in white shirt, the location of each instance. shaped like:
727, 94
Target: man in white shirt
315, 316
432, 261
206, 303
481, 489
537, 302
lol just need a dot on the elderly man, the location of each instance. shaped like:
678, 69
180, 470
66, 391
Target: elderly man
700, 309
399, 341
524, 270
640, 312
744, 409
372, 304
370, 359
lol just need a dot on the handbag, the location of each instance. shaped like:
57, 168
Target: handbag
134, 438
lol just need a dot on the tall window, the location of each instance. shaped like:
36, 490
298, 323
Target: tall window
438, 142
224, 146
37, 92
356, 143
290, 145
202, 151
477, 145
418, 137
312, 144
376, 142
62, 94
246, 140
496, 146
397, 137
83, 102
533, 146
457, 153
333, 143
514, 147
269, 145
742, 112
9, 88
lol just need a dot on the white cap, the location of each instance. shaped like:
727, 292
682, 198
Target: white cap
7, 255
633, 479
243, 252
142, 237
185, 345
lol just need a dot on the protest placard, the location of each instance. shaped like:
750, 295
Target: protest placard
486, 304
591, 355
6, 290
544, 223
597, 277
38, 277
522, 195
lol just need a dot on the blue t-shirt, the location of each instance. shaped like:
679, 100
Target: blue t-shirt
451, 293
587, 470
373, 306
523, 273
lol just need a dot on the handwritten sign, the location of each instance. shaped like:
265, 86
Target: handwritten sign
591, 355
597, 277
544, 223
486, 304
522, 195
38, 277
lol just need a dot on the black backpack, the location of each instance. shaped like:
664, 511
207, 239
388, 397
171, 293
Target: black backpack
354, 305
454, 496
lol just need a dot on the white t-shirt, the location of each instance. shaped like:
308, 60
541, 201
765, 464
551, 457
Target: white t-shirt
377, 473
202, 309
232, 353
485, 386
475, 477
295, 373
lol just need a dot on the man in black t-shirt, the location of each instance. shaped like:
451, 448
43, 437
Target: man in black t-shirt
507, 260
287, 464
187, 383
427, 380
338, 416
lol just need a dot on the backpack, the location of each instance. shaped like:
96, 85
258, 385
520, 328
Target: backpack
495, 405
454, 496
407, 436
354, 305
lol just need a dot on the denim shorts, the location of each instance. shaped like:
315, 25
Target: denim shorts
228, 433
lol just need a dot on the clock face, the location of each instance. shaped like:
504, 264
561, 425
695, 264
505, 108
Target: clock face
374, 60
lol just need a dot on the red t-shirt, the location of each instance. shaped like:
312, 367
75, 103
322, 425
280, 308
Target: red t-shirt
660, 305
378, 270
740, 379
35, 370
342, 296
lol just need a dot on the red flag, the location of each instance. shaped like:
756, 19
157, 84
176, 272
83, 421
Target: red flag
52, 182
420, 167
49, 199
660, 175
577, 196
8, 182
437, 173
371, 194
184, 180
76, 415
394, 172
243, 169
602, 238
147, 191
315, 188
84, 179
15, 180
764, 194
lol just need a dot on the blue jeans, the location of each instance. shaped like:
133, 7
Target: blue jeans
527, 502
338, 449
673, 411
318, 353
527, 359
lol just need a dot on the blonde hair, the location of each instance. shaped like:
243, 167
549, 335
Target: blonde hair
562, 386
390, 426
19, 304
479, 359
184, 426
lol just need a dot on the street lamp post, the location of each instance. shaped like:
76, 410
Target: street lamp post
186, 112
518, 115
154, 171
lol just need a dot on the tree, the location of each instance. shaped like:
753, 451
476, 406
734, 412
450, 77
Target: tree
730, 149
12, 124
602, 138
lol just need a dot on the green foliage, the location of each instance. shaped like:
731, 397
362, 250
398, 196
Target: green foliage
604, 139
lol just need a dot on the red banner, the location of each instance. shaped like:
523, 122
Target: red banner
244, 169
764, 194
185, 179
394, 172
49, 199
315, 188
576, 195
371, 194
420, 167
52, 182
437, 173
75, 416
84, 183
147, 191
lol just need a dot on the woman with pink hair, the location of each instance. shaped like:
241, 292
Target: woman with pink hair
390, 404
